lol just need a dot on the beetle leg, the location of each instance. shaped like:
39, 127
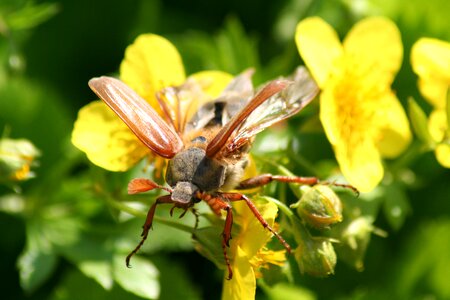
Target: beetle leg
239, 197
171, 210
217, 204
195, 212
148, 224
264, 179
226, 237
183, 213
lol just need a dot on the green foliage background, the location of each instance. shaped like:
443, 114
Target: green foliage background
56, 232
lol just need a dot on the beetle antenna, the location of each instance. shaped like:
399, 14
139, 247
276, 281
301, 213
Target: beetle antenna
140, 185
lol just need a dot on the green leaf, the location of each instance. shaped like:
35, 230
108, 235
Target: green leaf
419, 122
35, 267
231, 49
61, 232
289, 16
73, 285
31, 15
285, 291
141, 279
9, 5
423, 269
12, 203
395, 206
236, 49
93, 258
98, 270
423, 18
38, 260
49, 229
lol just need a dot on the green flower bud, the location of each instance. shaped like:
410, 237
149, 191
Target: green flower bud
355, 238
319, 207
419, 122
315, 256
16, 159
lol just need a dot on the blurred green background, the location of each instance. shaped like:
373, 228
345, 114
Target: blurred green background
53, 225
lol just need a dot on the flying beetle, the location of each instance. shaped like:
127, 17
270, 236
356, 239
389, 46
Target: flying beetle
208, 153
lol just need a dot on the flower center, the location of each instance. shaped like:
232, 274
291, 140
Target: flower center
356, 87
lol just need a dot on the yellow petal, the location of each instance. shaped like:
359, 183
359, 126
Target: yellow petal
201, 88
360, 162
329, 116
253, 235
375, 43
266, 256
319, 46
105, 139
347, 117
395, 134
434, 90
150, 64
437, 124
430, 59
250, 170
212, 82
442, 152
243, 283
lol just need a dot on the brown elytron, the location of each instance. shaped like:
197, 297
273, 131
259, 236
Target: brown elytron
208, 153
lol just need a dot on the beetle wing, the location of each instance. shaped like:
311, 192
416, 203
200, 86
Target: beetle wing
272, 104
220, 111
221, 138
138, 115
281, 106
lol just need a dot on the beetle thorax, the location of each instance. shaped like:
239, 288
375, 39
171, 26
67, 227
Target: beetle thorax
192, 166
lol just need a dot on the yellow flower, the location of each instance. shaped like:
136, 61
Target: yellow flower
151, 64
248, 251
430, 59
16, 159
361, 115
439, 131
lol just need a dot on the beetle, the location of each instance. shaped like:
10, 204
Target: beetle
209, 152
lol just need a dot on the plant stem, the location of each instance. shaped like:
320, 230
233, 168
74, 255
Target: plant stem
283, 207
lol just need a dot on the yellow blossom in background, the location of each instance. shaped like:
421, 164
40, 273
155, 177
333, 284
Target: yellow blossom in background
151, 64
361, 116
17, 156
439, 131
430, 59
248, 252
